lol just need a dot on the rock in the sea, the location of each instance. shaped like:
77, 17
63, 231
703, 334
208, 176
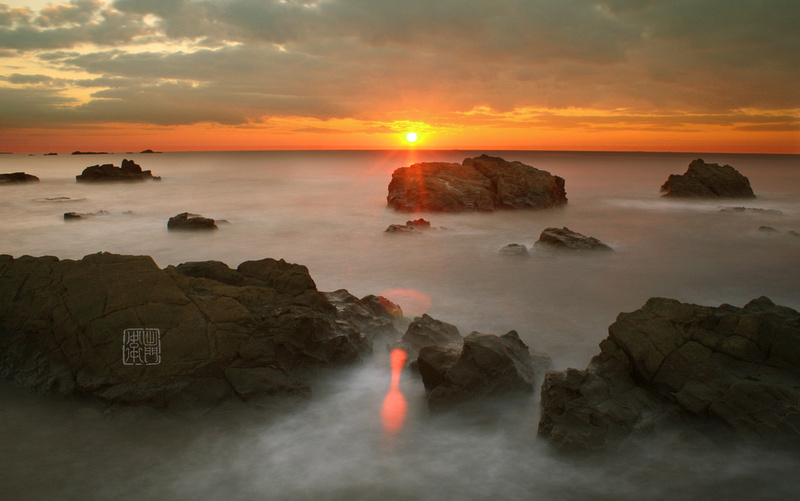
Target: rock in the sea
771, 212
121, 329
487, 366
17, 177
724, 370
477, 184
128, 171
566, 239
188, 221
428, 331
704, 180
74, 216
409, 227
515, 250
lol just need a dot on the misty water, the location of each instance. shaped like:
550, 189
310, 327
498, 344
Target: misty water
327, 210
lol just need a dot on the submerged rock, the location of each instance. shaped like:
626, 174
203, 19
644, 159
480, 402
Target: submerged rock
722, 370
515, 250
771, 212
410, 227
128, 171
704, 180
191, 222
487, 366
74, 216
477, 184
566, 239
17, 177
121, 329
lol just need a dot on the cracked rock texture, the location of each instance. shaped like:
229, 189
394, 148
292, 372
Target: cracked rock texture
482, 183
718, 370
255, 332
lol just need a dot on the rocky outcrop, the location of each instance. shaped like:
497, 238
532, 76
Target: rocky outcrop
121, 329
704, 180
75, 216
722, 370
186, 221
477, 184
410, 227
568, 240
515, 250
428, 331
487, 366
128, 171
17, 177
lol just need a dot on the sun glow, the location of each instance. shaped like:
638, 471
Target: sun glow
411, 137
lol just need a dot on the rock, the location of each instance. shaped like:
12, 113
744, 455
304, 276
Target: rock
17, 177
89, 153
515, 250
188, 221
427, 331
566, 239
419, 223
767, 229
704, 180
400, 228
771, 212
74, 216
120, 329
128, 171
488, 366
478, 184
726, 371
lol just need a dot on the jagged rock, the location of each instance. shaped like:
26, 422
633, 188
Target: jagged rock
74, 216
400, 228
487, 366
17, 177
566, 239
121, 329
427, 331
188, 221
704, 180
515, 250
128, 171
722, 370
477, 184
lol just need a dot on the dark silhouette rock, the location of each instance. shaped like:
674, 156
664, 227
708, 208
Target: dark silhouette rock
186, 221
128, 171
17, 177
487, 366
515, 250
400, 228
121, 329
477, 184
704, 180
75, 216
767, 229
726, 371
89, 153
427, 331
568, 240
757, 210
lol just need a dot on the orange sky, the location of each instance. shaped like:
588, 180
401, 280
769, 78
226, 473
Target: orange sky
343, 74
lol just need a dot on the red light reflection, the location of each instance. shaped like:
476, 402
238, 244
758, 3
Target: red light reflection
393, 412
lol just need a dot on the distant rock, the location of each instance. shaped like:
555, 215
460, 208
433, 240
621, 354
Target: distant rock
566, 239
487, 366
704, 180
515, 250
58, 199
409, 227
128, 171
477, 184
428, 331
771, 212
190, 222
767, 229
50, 154
120, 329
74, 216
723, 372
17, 177
149, 151
89, 153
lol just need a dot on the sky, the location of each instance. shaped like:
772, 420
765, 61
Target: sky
620, 75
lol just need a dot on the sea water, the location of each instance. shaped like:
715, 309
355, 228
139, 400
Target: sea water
327, 210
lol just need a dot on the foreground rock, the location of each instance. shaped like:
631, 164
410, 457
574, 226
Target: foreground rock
477, 184
128, 171
188, 337
704, 180
186, 221
428, 331
487, 366
17, 177
722, 370
568, 240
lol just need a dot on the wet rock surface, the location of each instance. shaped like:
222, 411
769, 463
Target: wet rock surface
703, 180
724, 371
477, 184
568, 240
186, 221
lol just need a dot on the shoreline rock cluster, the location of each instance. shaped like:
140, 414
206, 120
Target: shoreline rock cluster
127, 171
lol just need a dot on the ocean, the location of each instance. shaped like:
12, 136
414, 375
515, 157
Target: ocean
327, 210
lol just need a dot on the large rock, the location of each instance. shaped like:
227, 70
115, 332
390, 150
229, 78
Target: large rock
477, 184
128, 171
487, 366
186, 221
568, 240
17, 177
704, 180
722, 370
121, 329
428, 331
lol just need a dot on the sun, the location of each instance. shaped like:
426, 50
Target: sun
411, 137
